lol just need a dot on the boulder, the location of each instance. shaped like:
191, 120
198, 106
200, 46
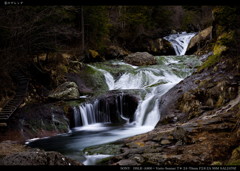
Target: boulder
113, 52
160, 47
199, 40
66, 91
140, 59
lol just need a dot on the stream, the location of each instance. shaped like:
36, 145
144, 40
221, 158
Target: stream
95, 127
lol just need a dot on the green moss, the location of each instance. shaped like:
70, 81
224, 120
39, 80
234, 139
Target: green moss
235, 158
73, 103
216, 163
104, 161
213, 59
157, 84
218, 49
224, 41
235, 162
94, 80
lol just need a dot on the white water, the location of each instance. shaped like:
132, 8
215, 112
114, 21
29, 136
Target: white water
180, 42
147, 113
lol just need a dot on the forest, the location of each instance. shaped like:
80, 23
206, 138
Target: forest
110, 85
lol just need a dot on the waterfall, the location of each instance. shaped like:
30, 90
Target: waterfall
147, 112
154, 80
89, 113
180, 42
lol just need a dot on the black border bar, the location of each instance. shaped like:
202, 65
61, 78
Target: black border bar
117, 2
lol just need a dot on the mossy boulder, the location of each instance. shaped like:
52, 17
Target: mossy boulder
223, 43
65, 91
89, 81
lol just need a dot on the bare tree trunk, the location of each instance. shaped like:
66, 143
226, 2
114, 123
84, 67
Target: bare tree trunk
82, 29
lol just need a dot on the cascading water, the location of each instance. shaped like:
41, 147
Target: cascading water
88, 113
180, 42
93, 120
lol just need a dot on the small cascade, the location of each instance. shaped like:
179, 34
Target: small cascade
180, 42
102, 111
89, 113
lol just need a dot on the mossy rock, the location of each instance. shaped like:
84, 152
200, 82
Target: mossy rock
216, 163
224, 42
235, 162
156, 84
213, 59
235, 157
218, 49
93, 79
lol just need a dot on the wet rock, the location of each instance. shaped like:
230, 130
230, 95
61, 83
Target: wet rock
140, 59
65, 91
